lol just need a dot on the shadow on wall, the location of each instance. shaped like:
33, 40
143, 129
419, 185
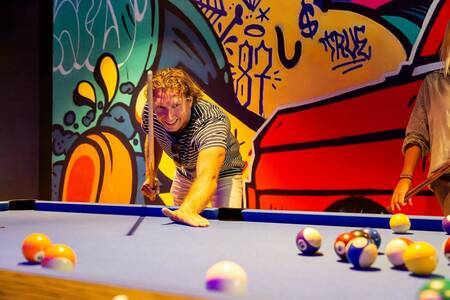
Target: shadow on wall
356, 205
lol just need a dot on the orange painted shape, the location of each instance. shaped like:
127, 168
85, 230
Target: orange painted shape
81, 177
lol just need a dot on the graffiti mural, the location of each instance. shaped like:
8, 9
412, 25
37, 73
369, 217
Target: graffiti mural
318, 92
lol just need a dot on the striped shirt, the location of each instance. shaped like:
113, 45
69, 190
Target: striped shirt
208, 127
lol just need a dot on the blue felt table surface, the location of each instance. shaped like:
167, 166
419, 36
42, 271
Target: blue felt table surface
164, 256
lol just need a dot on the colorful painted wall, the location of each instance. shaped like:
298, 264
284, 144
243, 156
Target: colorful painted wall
318, 93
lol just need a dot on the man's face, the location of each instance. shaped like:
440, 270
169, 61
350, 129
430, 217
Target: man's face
171, 109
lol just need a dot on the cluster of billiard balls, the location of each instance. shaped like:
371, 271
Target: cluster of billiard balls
360, 247
37, 248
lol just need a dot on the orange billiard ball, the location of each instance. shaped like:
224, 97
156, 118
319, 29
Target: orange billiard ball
59, 257
34, 246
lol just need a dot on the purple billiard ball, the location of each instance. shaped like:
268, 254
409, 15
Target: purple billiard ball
308, 240
446, 224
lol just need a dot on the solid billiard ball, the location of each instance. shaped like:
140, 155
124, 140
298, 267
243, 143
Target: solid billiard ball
341, 242
420, 258
395, 249
374, 235
400, 223
446, 224
34, 245
308, 240
446, 248
361, 252
227, 277
59, 257
435, 289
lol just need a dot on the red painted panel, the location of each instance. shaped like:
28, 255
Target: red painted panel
377, 111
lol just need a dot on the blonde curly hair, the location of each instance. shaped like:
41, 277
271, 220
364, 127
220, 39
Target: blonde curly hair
176, 80
445, 50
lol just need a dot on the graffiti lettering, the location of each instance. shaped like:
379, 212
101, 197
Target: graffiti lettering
288, 63
308, 27
347, 48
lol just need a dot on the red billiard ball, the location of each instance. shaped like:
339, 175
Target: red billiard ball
341, 242
446, 248
34, 246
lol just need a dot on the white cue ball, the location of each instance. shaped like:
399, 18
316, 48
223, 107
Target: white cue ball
226, 276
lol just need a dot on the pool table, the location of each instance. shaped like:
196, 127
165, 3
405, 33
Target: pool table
136, 248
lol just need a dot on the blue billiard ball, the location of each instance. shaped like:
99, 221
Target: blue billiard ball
361, 252
374, 235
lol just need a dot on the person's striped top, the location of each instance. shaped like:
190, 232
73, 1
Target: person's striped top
208, 127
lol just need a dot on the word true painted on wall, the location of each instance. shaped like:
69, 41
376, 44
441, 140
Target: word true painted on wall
348, 49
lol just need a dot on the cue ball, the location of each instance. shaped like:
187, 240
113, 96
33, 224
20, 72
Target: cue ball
59, 257
446, 224
446, 248
227, 277
395, 249
361, 252
308, 240
420, 258
34, 245
400, 223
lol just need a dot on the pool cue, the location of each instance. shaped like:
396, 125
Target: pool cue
436, 174
150, 133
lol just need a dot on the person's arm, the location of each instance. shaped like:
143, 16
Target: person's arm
209, 163
147, 189
415, 145
411, 157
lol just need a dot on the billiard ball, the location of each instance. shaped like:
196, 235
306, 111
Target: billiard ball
308, 240
446, 248
360, 233
435, 289
341, 242
34, 245
400, 223
227, 277
395, 249
361, 252
446, 224
374, 235
420, 258
59, 257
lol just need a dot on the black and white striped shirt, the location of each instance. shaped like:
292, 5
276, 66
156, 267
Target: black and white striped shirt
208, 127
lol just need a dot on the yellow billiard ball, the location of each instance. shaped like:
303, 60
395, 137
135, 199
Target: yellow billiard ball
399, 223
34, 245
420, 258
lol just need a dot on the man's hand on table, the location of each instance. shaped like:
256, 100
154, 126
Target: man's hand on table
186, 217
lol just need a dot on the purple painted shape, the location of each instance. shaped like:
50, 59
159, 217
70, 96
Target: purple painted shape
371, 3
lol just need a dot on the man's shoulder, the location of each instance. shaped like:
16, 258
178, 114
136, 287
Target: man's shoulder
204, 109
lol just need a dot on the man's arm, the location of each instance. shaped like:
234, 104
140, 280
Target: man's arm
209, 163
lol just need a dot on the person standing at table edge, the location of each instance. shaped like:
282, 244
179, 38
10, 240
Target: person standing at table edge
196, 135
428, 130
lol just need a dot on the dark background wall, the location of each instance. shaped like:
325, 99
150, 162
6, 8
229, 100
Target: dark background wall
25, 99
